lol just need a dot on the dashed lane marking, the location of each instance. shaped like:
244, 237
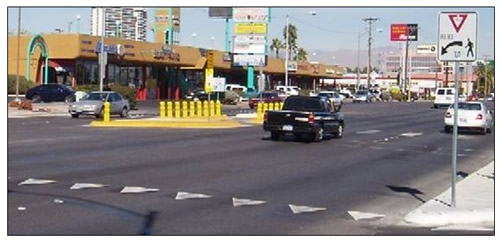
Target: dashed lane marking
411, 134
368, 132
187, 195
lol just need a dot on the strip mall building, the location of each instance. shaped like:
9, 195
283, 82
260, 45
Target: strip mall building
155, 70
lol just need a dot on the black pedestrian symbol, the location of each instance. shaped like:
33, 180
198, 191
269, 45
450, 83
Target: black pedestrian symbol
469, 45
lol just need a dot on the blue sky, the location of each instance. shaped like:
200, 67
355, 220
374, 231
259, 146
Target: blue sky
331, 29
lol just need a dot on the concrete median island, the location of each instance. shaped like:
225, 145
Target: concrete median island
220, 122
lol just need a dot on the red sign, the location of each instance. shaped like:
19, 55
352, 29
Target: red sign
404, 32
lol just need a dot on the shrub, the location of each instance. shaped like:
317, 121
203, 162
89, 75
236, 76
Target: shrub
24, 84
397, 96
305, 92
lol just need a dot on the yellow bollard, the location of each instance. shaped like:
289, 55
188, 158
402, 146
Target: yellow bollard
281, 105
177, 109
169, 109
191, 109
277, 106
271, 106
106, 112
212, 108
199, 109
265, 107
184, 109
260, 113
218, 109
162, 109
205, 108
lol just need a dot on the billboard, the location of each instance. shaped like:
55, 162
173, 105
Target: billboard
249, 48
254, 39
249, 60
225, 13
250, 15
250, 28
404, 32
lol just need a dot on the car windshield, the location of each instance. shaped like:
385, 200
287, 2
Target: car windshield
469, 106
95, 96
361, 93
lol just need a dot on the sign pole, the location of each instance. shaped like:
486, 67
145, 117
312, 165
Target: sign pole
455, 136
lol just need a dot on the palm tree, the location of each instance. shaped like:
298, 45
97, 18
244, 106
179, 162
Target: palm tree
479, 72
301, 55
276, 46
292, 38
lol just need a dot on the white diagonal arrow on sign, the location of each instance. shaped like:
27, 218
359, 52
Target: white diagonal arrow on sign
78, 186
296, 209
136, 189
411, 134
360, 215
246, 202
32, 181
187, 195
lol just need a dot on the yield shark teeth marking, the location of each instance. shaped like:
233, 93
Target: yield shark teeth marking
296, 209
78, 186
187, 195
360, 215
134, 189
246, 202
411, 134
32, 181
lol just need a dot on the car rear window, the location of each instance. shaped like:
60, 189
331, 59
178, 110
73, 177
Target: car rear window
469, 106
302, 104
449, 92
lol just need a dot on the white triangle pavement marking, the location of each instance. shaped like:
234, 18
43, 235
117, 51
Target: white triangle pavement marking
187, 195
135, 189
296, 209
32, 181
461, 228
77, 186
360, 215
368, 132
411, 134
246, 202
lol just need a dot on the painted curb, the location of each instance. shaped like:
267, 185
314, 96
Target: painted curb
168, 124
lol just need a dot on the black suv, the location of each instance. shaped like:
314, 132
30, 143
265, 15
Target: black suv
50, 92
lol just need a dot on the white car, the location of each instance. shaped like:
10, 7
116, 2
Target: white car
472, 115
288, 90
334, 98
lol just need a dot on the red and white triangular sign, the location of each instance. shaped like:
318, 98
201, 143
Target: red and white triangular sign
454, 18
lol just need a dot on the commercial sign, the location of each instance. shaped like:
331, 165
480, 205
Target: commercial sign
250, 14
255, 39
225, 13
249, 60
110, 49
249, 48
404, 32
209, 75
218, 84
250, 28
292, 66
457, 36
210, 59
426, 49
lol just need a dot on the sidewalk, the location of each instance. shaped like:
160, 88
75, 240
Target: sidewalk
474, 205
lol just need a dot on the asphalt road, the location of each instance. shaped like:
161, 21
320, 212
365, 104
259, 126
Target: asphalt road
374, 169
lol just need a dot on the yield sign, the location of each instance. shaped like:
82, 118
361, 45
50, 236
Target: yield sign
454, 18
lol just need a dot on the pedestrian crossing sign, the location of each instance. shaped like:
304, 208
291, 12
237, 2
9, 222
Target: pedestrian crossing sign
457, 36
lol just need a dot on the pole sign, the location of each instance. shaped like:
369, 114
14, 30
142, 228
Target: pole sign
404, 32
457, 36
250, 15
210, 59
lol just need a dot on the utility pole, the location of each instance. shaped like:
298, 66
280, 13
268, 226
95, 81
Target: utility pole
18, 51
101, 59
358, 72
286, 53
369, 20
405, 82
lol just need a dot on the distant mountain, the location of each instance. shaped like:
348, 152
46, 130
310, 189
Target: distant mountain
348, 58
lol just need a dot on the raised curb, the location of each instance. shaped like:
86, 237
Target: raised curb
170, 123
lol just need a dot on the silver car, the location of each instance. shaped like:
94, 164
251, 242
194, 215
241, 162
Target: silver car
334, 97
93, 104
363, 96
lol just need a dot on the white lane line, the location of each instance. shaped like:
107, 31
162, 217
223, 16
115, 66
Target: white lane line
78, 186
468, 150
411, 134
361, 215
368, 132
296, 209
58, 201
246, 202
135, 189
32, 181
188, 195
21, 208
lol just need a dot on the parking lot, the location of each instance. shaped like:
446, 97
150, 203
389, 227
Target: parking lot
385, 146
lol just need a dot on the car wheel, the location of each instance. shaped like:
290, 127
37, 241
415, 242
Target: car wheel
124, 112
36, 99
275, 136
318, 137
447, 129
74, 115
436, 106
337, 108
484, 131
69, 99
340, 131
100, 114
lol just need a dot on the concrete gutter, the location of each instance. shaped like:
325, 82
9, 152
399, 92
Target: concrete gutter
222, 122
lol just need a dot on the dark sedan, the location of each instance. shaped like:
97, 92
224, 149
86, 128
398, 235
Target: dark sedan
49, 93
264, 97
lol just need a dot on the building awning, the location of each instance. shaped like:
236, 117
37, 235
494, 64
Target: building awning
200, 64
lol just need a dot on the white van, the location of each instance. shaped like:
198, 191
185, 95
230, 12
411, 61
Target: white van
288, 90
236, 87
444, 97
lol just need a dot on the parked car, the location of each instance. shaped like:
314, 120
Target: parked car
305, 116
363, 96
93, 104
444, 97
346, 92
50, 92
334, 97
288, 90
266, 96
472, 115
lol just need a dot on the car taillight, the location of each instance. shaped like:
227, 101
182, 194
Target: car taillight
265, 116
310, 119
448, 115
479, 117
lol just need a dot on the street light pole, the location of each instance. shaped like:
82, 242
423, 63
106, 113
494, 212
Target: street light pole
369, 20
286, 52
101, 59
18, 51
78, 23
358, 71
69, 26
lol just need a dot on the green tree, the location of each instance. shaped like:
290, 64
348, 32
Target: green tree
292, 38
479, 72
301, 55
276, 46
